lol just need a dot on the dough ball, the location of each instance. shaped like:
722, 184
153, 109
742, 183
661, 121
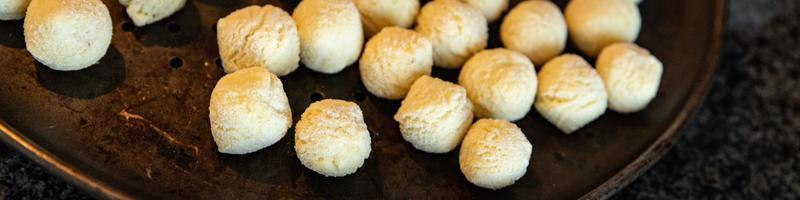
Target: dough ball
264, 37
144, 12
248, 111
331, 35
435, 115
377, 14
571, 93
13, 9
535, 28
491, 9
494, 154
500, 83
596, 24
456, 30
68, 35
331, 138
392, 60
631, 75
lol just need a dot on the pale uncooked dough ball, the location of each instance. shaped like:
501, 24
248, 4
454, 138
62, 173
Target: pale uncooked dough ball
535, 28
571, 93
500, 83
456, 30
144, 12
13, 9
491, 9
392, 60
494, 154
377, 14
631, 74
68, 35
331, 138
596, 24
435, 115
264, 37
248, 111
331, 35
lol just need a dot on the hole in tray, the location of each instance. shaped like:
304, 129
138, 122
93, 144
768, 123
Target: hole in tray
359, 95
316, 96
176, 62
128, 26
173, 27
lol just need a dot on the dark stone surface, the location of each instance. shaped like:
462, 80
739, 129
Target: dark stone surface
744, 143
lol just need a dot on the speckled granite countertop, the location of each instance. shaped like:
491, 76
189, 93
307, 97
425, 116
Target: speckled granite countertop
744, 143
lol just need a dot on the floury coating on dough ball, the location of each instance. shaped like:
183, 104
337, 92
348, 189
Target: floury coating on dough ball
595, 24
456, 30
264, 37
631, 74
248, 111
535, 28
377, 14
331, 138
392, 60
435, 115
144, 12
13, 9
68, 35
491, 9
500, 83
331, 35
571, 93
494, 154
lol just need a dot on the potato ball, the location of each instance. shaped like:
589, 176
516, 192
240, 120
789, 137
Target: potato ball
377, 14
13, 9
456, 30
144, 12
435, 115
571, 93
500, 83
331, 138
535, 28
330, 32
596, 24
491, 9
631, 75
248, 111
264, 37
68, 35
392, 60
494, 154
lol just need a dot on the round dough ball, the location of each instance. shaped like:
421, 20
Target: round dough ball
144, 12
377, 14
494, 154
456, 30
596, 24
500, 83
57, 32
264, 37
331, 35
435, 115
535, 28
491, 9
13, 9
631, 75
571, 93
248, 111
392, 60
331, 138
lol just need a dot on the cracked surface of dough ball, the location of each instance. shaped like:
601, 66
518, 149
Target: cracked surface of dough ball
330, 32
594, 24
144, 12
377, 14
392, 60
331, 138
571, 93
494, 154
264, 37
248, 111
456, 30
535, 28
631, 75
13, 9
435, 115
500, 83
56, 32
491, 9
